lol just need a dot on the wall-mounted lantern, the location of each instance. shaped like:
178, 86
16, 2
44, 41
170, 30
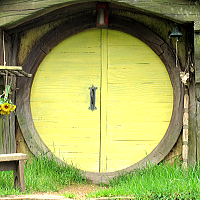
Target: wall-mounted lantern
102, 11
176, 33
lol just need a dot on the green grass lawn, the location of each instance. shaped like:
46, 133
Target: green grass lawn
161, 181
42, 175
156, 182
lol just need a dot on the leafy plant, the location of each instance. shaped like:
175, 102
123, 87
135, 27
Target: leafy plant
69, 195
6, 105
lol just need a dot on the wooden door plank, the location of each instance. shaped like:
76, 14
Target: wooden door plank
104, 83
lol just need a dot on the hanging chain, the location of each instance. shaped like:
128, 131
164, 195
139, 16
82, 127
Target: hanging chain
176, 52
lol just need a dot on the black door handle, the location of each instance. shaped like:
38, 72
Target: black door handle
92, 98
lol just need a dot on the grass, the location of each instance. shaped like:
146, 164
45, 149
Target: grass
156, 182
161, 181
69, 195
42, 174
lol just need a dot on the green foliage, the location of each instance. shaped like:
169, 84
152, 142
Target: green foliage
7, 184
69, 195
156, 182
49, 175
42, 174
161, 181
5, 94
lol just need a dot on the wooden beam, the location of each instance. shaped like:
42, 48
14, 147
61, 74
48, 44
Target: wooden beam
13, 70
12, 157
192, 146
197, 80
7, 166
185, 130
10, 67
16, 12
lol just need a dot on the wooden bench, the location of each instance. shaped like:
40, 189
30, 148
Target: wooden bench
14, 162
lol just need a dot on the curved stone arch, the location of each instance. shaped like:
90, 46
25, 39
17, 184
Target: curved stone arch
77, 25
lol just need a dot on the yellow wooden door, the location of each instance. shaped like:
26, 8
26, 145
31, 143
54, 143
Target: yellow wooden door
60, 100
139, 100
133, 99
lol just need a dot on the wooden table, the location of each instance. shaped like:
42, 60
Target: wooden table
14, 162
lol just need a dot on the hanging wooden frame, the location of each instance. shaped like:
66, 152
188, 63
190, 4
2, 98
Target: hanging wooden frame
77, 25
11, 70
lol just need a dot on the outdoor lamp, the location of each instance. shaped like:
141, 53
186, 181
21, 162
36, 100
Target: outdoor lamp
176, 33
102, 14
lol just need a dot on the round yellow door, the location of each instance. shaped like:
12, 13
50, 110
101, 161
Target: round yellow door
133, 100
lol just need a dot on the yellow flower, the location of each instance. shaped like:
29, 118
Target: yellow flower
0, 107
13, 108
4, 113
5, 108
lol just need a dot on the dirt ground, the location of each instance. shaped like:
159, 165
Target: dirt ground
80, 191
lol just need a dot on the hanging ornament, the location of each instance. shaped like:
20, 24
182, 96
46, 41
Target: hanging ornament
184, 77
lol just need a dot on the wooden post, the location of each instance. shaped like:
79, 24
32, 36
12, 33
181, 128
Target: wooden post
7, 123
197, 81
18, 174
192, 146
185, 129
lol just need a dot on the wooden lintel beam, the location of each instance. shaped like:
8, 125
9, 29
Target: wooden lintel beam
181, 10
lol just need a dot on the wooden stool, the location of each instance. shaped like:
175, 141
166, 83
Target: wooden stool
14, 162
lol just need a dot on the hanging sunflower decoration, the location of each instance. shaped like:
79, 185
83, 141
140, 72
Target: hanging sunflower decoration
6, 105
